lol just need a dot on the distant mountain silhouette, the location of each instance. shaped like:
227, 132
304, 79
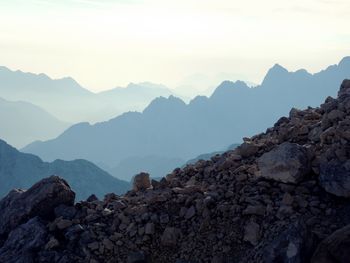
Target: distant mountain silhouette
22, 122
208, 156
169, 128
20, 170
68, 101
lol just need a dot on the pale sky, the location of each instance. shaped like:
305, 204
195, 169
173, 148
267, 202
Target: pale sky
106, 43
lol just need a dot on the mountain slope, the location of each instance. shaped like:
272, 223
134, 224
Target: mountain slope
22, 123
281, 196
174, 129
20, 170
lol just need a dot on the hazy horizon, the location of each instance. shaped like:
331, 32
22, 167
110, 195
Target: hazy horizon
105, 44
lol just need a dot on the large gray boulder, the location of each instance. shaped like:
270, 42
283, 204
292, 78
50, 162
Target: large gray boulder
335, 248
40, 200
335, 177
287, 163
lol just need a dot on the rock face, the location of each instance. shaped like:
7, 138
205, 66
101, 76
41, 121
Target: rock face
335, 248
279, 197
40, 200
287, 163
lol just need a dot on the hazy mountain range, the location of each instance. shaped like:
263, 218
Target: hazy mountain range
21, 170
171, 129
23, 122
68, 101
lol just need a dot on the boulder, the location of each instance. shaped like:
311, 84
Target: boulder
287, 163
247, 149
344, 88
23, 242
294, 245
141, 182
335, 248
40, 200
335, 177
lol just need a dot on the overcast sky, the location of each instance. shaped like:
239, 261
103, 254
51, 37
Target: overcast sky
106, 43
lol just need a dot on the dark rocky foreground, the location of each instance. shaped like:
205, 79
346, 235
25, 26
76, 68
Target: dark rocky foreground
281, 196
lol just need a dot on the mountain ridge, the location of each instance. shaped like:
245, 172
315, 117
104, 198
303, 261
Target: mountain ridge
180, 130
280, 196
20, 170
80, 104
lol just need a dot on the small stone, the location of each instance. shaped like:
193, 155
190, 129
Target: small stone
64, 223
287, 199
252, 233
190, 212
93, 245
254, 210
106, 212
164, 219
170, 236
107, 244
53, 242
137, 257
284, 211
149, 229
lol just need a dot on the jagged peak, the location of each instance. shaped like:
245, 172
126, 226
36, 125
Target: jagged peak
228, 86
345, 61
277, 71
162, 103
198, 99
76, 127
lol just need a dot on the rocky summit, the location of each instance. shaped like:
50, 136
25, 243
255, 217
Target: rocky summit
281, 196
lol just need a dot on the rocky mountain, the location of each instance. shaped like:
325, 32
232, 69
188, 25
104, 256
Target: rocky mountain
79, 103
20, 170
171, 129
22, 122
281, 196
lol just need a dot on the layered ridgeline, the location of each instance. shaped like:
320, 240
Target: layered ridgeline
170, 132
21, 170
23, 122
281, 196
69, 101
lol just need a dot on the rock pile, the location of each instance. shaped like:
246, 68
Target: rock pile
279, 197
